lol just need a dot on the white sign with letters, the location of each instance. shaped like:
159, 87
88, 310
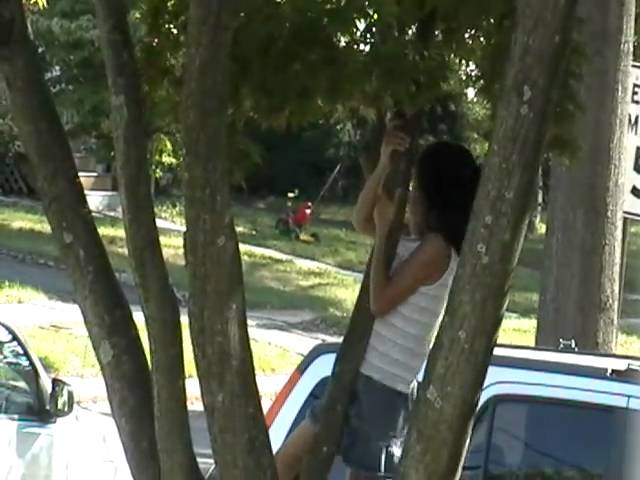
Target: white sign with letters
632, 158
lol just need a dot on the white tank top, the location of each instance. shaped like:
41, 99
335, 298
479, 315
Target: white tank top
401, 339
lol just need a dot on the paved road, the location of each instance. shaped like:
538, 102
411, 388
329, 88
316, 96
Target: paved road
284, 329
96, 425
278, 328
200, 436
284, 332
53, 281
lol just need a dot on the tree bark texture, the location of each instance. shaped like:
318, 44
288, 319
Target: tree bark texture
371, 144
441, 419
216, 302
106, 312
583, 249
355, 342
160, 305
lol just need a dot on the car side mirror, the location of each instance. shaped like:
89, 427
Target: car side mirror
61, 398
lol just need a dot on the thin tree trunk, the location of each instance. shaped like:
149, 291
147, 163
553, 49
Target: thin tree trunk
356, 339
162, 313
371, 145
457, 365
107, 315
216, 303
584, 242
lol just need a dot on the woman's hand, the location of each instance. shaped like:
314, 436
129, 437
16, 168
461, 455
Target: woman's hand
364, 213
394, 140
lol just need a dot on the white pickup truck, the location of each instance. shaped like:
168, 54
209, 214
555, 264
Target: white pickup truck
542, 415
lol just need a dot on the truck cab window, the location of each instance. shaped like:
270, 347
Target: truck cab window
538, 440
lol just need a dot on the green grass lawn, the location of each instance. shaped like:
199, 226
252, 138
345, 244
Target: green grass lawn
269, 282
67, 352
11, 292
339, 244
343, 247
278, 284
522, 331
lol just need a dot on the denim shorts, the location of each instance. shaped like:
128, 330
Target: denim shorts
374, 428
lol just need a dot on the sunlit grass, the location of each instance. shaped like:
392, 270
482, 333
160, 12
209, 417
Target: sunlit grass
12, 292
339, 244
68, 352
522, 332
269, 282
281, 284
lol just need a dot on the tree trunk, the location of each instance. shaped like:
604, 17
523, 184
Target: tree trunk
107, 315
584, 242
162, 312
458, 361
371, 144
216, 303
356, 339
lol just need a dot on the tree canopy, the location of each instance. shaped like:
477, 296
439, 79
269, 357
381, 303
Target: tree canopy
294, 64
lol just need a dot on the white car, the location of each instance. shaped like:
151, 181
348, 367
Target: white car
542, 415
42, 436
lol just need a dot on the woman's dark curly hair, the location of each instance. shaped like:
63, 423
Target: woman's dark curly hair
447, 176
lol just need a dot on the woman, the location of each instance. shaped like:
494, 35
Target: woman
408, 302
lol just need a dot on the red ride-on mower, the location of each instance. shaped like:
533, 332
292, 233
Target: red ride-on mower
294, 222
